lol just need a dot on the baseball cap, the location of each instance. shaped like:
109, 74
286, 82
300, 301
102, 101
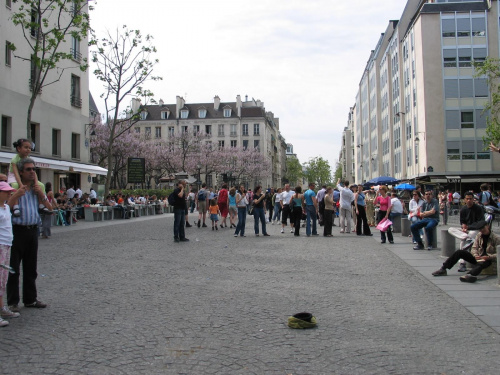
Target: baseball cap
6, 187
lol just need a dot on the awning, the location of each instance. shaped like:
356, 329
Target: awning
58, 165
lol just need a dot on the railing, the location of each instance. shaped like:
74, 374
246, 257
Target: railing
76, 101
75, 55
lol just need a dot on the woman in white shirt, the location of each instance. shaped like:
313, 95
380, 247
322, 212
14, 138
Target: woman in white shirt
277, 207
414, 209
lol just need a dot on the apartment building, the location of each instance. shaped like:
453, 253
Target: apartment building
60, 114
419, 111
229, 124
347, 150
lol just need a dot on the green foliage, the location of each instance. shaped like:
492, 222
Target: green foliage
338, 171
318, 170
491, 69
293, 170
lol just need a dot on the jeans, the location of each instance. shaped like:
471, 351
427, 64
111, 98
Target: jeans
192, 205
464, 254
179, 223
414, 219
277, 211
311, 214
258, 214
242, 220
426, 223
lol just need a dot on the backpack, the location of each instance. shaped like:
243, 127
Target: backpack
490, 202
171, 199
202, 195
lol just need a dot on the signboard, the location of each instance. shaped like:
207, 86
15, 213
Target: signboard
136, 170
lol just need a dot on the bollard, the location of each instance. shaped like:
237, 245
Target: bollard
405, 226
447, 243
396, 224
434, 241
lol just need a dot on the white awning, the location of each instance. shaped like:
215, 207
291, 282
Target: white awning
58, 165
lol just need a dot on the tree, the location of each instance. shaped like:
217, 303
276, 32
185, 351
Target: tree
318, 170
124, 63
293, 170
491, 69
338, 171
46, 24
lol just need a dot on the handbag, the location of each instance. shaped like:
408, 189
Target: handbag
384, 225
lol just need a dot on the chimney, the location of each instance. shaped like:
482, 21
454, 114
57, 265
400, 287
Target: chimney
246, 98
238, 105
179, 101
160, 103
136, 104
216, 102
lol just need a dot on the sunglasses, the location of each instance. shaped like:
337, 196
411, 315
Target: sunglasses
29, 169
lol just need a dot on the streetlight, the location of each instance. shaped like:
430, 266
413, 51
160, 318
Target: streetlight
198, 166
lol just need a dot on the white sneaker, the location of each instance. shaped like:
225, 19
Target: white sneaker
292, 231
3, 323
282, 230
6, 313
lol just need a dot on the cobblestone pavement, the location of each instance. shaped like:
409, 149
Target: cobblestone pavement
125, 299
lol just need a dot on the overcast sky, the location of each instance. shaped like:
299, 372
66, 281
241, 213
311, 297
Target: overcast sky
303, 59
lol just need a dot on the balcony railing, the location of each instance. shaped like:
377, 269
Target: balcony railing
75, 55
76, 101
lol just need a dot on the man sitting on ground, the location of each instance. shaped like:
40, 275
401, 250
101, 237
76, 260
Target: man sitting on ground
483, 253
429, 218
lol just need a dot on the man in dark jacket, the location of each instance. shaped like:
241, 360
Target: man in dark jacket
180, 212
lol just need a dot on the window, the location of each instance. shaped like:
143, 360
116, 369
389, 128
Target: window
35, 134
75, 146
6, 131
147, 131
468, 152
184, 129
227, 112
245, 144
221, 145
479, 26
466, 88
8, 3
481, 88
463, 27
256, 130
171, 131
464, 57
467, 120
75, 49
453, 150
450, 58
76, 100
233, 130
196, 129
448, 28
165, 115
8, 53
184, 113
244, 130
158, 132
143, 115
34, 73
452, 119
56, 142
221, 130
202, 113
208, 129
35, 23
75, 8
233, 144
137, 130
256, 144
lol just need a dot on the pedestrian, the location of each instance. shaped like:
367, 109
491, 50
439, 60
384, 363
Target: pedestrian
286, 211
201, 204
191, 200
362, 227
346, 199
414, 208
298, 208
233, 208
214, 213
25, 244
6, 238
429, 218
268, 200
222, 202
383, 202
259, 211
180, 212
46, 217
277, 207
370, 207
321, 205
241, 203
328, 212
311, 205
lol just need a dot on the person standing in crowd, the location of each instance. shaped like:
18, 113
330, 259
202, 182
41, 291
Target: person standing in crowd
396, 207
346, 198
47, 218
336, 199
414, 208
370, 207
277, 207
223, 204
328, 212
286, 212
383, 201
311, 205
241, 203
429, 218
180, 212
25, 244
321, 204
201, 204
259, 212
5, 245
268, 200
191, 200
297, 201
214, 213
233, 208
362, 227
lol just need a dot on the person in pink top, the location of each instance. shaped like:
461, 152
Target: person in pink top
383, 201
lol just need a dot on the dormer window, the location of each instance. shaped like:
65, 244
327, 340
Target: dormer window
184, 113
144, 114
227, 112
165, 115
202, 113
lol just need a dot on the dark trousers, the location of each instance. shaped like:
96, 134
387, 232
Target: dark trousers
258, 214
242, 220
179, 223
327, 222
380, 216
297, 216
270, 210
362, 221
24, 250
465, 255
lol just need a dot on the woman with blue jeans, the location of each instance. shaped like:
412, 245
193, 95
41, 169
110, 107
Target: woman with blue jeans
414, 207
241, 203
259, 212
277, 206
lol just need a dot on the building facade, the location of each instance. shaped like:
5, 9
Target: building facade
60, 113
419, 112
228, 124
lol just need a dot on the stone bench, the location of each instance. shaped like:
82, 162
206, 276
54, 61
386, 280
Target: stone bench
434, 237
448, 243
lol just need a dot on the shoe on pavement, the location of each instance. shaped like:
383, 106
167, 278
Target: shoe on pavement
282, 230
462, 268
204, 225
429, 248
188, 225
14, 308
440, 272
292, 231
37, 305
6, 313
236, 235
420, 246
199, 223
184, 239
468, 278
176, 239
3, 323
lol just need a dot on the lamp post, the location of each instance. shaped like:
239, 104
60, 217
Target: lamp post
198, 167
